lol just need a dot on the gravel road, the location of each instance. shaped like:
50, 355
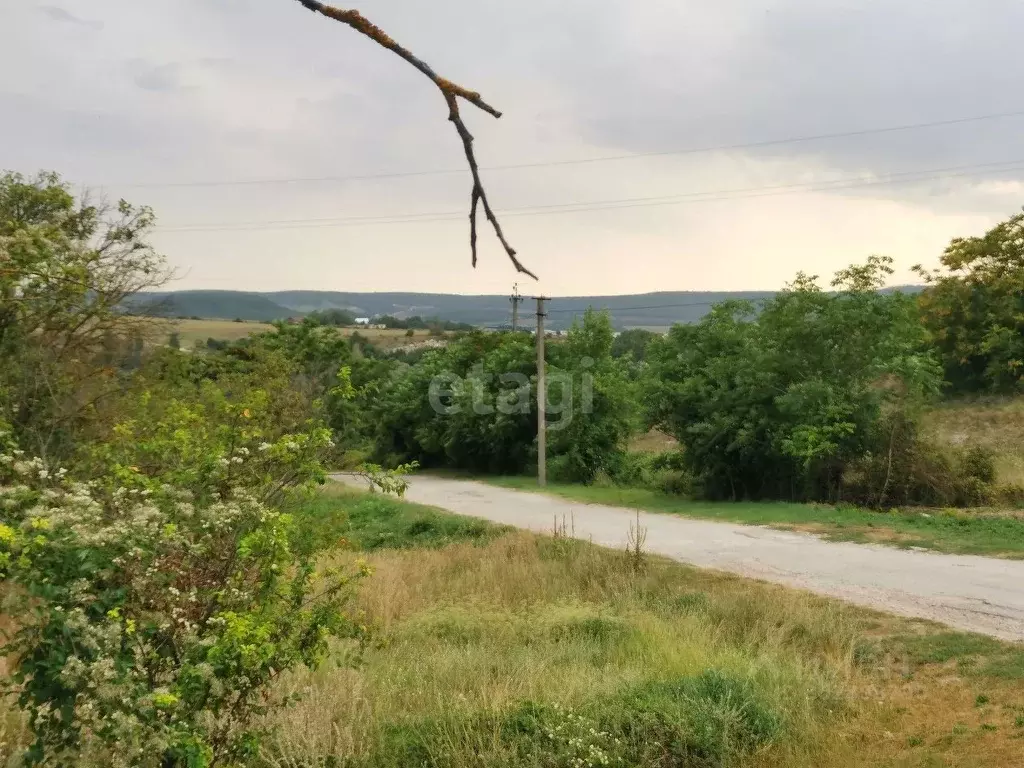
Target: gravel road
979, 594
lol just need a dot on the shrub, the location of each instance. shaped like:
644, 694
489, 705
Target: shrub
151, 618
910, 470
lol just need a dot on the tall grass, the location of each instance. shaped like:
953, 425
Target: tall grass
474, 642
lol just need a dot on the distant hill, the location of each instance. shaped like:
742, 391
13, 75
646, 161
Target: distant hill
643, 310
227, 305
637, 310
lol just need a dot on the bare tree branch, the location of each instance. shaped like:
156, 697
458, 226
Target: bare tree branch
452, 92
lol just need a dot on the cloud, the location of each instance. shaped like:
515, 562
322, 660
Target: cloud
678, 76
59, 14
170, 92
160, 78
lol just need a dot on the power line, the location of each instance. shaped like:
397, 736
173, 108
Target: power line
632, 309
901, 177
582, 161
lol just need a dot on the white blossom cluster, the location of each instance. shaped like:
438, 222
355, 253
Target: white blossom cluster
185, 570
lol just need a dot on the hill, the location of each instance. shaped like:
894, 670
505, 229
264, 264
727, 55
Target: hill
646, 309
227, 305
643, 310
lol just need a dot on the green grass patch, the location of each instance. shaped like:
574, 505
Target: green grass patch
343, 518
955, 532
709, 719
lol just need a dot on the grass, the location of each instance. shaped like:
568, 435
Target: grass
192, 331
509, 649
339, 518
959, 532
491, 647
995, 423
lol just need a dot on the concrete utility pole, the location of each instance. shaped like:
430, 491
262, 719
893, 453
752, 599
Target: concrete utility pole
542, 398
516, 300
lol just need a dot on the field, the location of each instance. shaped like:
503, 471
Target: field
993, 423
192, 332
503, 648
389, 338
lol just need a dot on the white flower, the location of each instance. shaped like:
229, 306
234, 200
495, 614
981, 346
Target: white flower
265, 446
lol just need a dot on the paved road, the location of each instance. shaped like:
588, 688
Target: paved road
973, 593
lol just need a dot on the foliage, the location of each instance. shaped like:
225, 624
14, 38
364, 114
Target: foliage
387, 480
602, 401
66, 268
153, 617
974, 310
472, 404
156, 587
337, 317
422, 324
633, 342
780, 405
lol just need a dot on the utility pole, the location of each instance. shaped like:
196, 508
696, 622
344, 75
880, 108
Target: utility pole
542, 399
516, 299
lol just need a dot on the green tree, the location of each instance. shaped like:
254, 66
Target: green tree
336, 317
633, 342
66, 269
974, 309
779, 404
156, 587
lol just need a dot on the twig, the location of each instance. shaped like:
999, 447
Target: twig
452, 92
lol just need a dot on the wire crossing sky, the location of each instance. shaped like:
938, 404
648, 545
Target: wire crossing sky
667, 145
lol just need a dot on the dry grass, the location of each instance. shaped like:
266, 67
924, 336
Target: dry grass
993, 423
653, 441
389, 338
465, 634
192, 331
468, 630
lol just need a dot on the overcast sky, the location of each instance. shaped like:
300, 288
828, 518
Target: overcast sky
173, 103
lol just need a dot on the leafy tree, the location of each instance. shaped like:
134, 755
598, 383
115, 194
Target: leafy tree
974, 310
156, 588
633, 342
472, 404
604, 401
66, 268
336, 317
781, 404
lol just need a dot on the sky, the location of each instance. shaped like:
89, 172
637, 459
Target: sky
662, 145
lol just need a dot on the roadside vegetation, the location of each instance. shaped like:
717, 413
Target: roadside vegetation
495, 647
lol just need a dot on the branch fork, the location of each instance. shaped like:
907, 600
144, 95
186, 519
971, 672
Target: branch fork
451, 92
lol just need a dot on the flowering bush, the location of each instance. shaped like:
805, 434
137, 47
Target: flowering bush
153, 618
